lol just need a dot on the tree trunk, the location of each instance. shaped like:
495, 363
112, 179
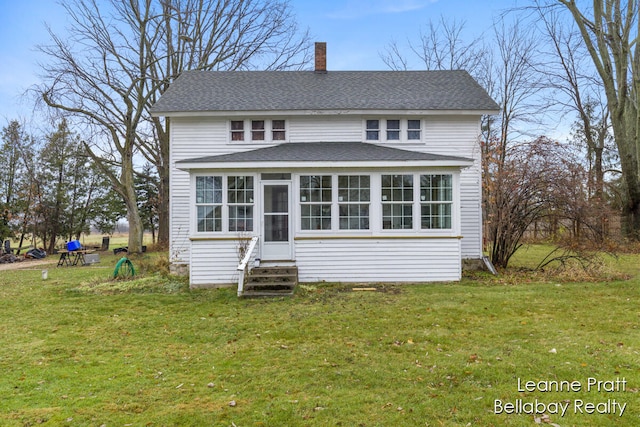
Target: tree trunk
163, 168
163, 206
629, 163
128, 192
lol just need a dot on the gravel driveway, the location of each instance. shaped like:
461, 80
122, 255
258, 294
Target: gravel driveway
27, 263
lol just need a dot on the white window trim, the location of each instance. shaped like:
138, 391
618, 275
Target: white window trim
404, 130
336, 209
193, 226
404, 202
268, 131
299, 203
375, 206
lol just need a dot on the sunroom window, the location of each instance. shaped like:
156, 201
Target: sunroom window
209, 203
315, 202
354, 197
436, 201
240, 201
397, 202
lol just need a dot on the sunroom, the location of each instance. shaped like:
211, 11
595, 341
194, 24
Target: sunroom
339, 212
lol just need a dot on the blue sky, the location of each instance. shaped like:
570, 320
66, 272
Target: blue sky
356, 32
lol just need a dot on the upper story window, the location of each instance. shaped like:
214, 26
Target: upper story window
237, 130
393, 130
258, 130
373, 130
413, 130
277, 130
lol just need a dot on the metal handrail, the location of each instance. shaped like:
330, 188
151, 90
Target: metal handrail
242, 266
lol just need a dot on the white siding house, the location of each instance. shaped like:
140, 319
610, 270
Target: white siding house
351, 176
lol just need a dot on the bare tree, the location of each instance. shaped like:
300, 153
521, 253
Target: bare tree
440, 46
531, 182
121, 55
507, 71
610, 32
570, 73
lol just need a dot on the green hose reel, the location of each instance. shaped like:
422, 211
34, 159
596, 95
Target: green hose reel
124, 269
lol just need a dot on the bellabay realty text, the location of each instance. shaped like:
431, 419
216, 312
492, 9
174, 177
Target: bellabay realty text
561, 407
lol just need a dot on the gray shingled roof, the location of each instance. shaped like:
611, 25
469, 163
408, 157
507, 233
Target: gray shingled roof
216, 91
324, 152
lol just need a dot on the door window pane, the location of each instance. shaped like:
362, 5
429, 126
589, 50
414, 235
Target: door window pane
276, 213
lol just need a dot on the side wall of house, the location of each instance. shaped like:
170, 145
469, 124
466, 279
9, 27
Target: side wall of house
458, 136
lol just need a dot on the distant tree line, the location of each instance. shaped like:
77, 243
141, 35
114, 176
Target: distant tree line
53, 192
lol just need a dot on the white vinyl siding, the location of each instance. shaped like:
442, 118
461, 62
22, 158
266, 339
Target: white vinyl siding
325, 129
378, 260
214, 262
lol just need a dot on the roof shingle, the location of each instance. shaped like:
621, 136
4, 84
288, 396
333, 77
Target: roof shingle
219, 91
324, 152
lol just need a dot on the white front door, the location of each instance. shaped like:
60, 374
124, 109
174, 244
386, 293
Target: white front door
277, 238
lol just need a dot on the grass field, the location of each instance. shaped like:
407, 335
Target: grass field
79, 349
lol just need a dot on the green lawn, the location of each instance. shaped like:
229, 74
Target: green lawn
80, 350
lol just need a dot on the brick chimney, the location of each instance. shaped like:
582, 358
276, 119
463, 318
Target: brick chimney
321, 57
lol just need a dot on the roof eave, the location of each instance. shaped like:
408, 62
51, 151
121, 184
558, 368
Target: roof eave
322, 112
378, 164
